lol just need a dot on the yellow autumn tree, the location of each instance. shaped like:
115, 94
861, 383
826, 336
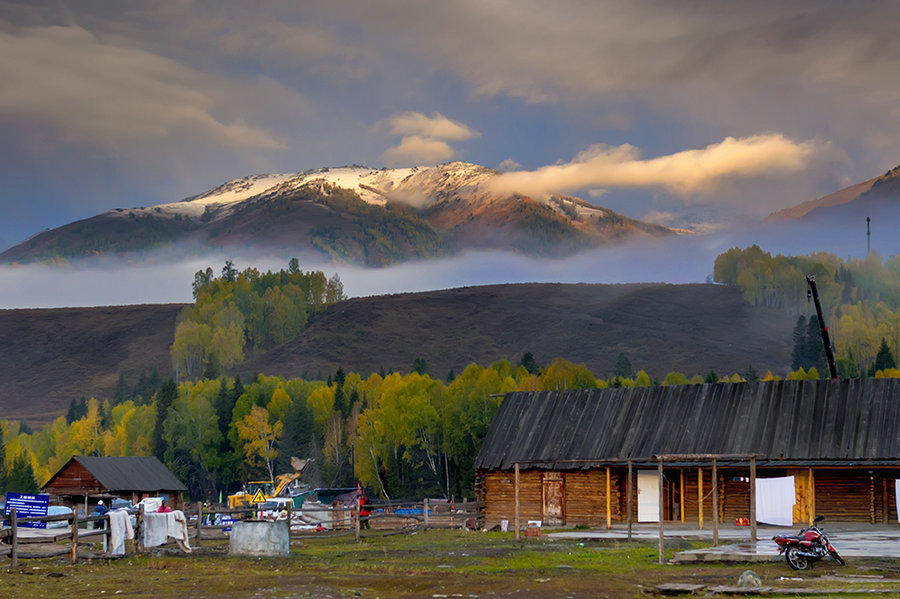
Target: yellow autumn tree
259, 439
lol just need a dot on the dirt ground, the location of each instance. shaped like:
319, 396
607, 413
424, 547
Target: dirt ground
431, 564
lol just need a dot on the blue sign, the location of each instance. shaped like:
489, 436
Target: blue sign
28, 505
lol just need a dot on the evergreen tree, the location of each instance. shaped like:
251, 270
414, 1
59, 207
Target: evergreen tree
798, 355
751, 376
711, 377
420, 366
167, 393
451, 376
529, 363
884, 359
122, 392
623, 368
211, 369
815, 352
21, 477
77, 410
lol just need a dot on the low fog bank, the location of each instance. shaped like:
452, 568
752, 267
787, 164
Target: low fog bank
683, 259
110, 282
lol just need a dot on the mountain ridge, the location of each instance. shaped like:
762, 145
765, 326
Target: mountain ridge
412, 213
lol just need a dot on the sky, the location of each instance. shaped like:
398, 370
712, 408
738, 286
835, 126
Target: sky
685, 113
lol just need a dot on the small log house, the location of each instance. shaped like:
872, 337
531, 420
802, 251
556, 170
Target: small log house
130, 478
840, 439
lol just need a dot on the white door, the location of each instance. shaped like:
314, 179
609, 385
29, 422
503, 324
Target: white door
648, 496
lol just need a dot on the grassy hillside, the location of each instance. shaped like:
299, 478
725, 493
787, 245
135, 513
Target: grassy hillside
49, 357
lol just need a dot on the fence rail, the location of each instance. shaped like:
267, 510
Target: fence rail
319, 520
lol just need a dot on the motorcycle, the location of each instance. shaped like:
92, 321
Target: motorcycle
809, 546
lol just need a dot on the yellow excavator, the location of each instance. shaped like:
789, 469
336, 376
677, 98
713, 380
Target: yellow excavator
269, 488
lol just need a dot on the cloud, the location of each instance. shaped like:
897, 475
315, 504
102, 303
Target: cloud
424, 138
687, 173
109, 94
437, 126
509, 165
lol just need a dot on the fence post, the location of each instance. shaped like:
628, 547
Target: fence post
106, 532
425, 512
199, 520
14, 529
74, 536
290, 516
355, 519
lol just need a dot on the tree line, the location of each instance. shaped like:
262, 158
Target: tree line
860, 300
400, 435
241, 313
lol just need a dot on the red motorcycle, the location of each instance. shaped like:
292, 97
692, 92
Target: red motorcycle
808, 547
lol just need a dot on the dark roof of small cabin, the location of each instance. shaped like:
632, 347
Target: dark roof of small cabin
128, 473
850, 422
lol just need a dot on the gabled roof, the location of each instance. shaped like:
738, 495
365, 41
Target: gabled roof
130, 473
791, 422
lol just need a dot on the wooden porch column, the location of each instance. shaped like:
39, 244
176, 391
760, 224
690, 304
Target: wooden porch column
700, 497
753, 498
715, 503
812, 497
517, 501
628, 501
884, 499
681, 493
661, 498
608, 500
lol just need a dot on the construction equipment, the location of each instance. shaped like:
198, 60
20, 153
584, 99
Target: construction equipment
268, 489
814, 293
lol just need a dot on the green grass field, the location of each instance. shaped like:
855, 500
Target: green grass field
430, 564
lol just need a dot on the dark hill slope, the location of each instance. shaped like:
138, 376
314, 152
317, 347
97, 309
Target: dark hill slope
686, 328
49, 357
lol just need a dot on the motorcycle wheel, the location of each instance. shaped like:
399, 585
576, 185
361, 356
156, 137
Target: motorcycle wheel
837, 558
795, 560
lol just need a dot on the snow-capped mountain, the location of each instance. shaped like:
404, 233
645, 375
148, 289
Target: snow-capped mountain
354, 214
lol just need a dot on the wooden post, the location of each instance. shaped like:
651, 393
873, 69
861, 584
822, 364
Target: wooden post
290, 516
425, 512
517, 501
715, 503
812, 497
753, 499
608, 501
700, 497
681, 493
356, 519
630, 482
199, 519
661, 534
106, 532
884, 499
75, 537
14, 530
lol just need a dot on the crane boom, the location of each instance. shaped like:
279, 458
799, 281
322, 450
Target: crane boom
812, 291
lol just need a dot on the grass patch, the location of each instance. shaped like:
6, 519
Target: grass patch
431, 564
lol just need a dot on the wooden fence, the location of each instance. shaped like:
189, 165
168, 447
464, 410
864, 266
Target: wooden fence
314, 520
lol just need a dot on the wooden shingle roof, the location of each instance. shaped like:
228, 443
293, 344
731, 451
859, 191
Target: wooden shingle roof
839, 422
129, 473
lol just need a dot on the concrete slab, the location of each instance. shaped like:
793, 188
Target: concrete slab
851, 541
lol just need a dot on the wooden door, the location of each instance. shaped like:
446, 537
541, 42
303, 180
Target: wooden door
553, 496
648, 495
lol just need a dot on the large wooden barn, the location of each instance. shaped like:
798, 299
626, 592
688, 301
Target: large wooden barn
571, 452
130, 478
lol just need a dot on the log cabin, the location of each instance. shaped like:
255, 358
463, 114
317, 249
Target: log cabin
572, 452
131, 478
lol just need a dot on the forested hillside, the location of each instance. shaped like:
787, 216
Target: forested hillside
860, 300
